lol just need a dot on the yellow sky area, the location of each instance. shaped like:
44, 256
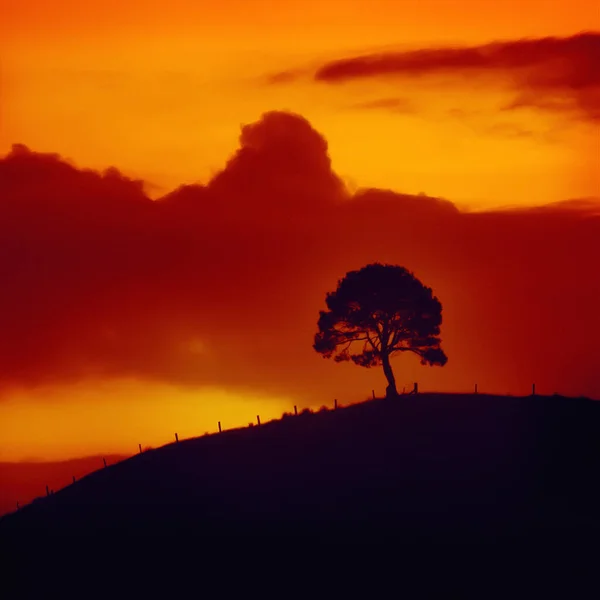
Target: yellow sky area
173, 127
159, 89
62, 422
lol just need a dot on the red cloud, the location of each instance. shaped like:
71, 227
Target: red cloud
222, 283
556, 74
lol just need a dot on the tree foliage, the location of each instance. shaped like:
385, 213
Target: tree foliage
376, 312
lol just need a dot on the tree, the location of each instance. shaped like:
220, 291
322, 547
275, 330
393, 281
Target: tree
376, 312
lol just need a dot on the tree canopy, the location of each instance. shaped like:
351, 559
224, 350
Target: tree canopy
376, 312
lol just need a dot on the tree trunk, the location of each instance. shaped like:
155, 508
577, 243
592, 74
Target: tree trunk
390, 390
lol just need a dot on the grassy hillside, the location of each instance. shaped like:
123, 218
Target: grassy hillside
438, 467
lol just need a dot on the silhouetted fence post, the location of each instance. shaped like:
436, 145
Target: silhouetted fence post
104, 461
258, 419
416, 388
140, 447
295, 410
176, 438
373, 392
220, 427
335, 404
533, 390
475, 388
47, 491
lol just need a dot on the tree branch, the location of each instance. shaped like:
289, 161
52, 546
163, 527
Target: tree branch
418, 351
373, 344
349, 344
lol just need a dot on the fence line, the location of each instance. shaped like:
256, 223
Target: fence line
415, 391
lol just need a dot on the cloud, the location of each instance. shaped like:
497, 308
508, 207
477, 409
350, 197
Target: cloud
221, 284
285, 76
550, 74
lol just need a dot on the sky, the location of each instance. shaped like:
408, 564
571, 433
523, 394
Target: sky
182, 182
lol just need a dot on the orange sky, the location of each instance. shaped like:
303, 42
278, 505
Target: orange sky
160, 89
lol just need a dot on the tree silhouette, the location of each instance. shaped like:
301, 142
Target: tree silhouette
378, 311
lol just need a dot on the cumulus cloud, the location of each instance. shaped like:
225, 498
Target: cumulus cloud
551, 74
222, 283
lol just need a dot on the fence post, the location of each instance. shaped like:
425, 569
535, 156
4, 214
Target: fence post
220, 427
176, 438
47, 491
295, 410
140, 447
258, 419
475, 388
533, 390
373, 392
335, 404
104, 461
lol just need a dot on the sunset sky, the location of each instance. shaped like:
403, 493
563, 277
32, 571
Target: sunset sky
428, 133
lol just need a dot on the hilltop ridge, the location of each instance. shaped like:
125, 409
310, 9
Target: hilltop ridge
441, 467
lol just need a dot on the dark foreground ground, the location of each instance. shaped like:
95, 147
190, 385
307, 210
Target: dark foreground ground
445, 470
418, 497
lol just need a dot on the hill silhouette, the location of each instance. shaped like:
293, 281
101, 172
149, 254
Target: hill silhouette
437, 468
24, 480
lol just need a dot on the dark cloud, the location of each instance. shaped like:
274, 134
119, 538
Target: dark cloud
556, 74
222, 283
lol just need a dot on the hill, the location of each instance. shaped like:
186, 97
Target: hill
22, 481
434, 467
